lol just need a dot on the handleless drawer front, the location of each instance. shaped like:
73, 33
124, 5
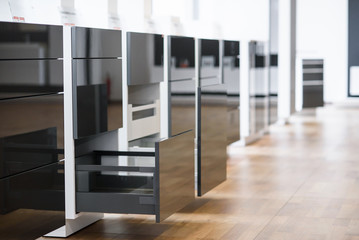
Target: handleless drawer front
144, 58
182, 106
31, 133
182, 58
20, 78
32, 204
212, 138
98, 94
209, 51
30, 41
96, 43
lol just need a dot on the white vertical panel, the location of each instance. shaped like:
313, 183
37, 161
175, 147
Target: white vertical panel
164, 89
286, 58
5, 13
70, 181
266, 85
244, 90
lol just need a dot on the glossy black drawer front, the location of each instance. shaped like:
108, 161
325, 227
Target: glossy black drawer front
32, 204
212, 135
99, 71
96, 43
145, 58
98, 96
30, 41
182, 106
182, 58
31, 133
20, 78
91, 110
209, 58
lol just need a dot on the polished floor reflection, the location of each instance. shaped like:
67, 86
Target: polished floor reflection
299, 182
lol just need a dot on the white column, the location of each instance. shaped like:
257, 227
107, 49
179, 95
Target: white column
165, 88
244, 90
124, 131
286, 58
70, 191
74, 221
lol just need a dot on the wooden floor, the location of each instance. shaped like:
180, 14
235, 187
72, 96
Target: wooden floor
299, 182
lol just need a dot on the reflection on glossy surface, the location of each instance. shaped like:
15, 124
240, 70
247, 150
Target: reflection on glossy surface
28, 77
145, 58
96, 43
213, 138
231, 79
91, 110
29, 62
32, 204
100, 71
176, 178
182, 106
99, 96
209, 58
233, 126
27, 151
258, 88
31, 132
273, 89
30, 41
273, 109
182, 58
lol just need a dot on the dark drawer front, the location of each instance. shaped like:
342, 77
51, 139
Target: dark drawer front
98, 81
209, 59
32, 204
182, 58
20, 78
30, 41
313, 96
182, 104
96, 43
31, 133
145, 58
212, 141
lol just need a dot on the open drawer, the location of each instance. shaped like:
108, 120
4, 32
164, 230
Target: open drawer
162, 186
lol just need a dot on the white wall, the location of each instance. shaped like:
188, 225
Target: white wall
230, 19
238, 19
322, 32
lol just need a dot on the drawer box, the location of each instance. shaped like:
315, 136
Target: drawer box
122, 186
